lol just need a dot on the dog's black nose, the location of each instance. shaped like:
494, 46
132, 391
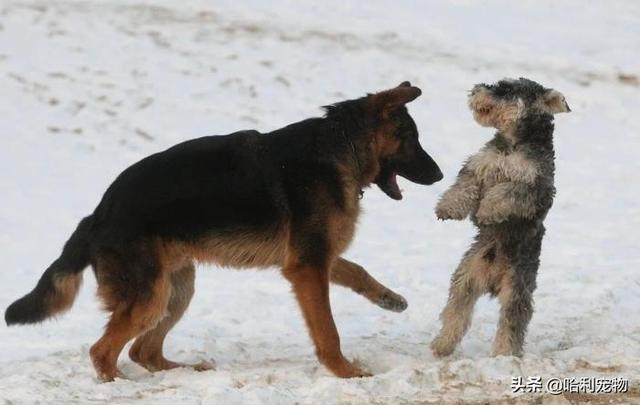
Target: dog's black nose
434, 178
439, 176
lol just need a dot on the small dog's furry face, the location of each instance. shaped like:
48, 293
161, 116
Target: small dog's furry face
501, 105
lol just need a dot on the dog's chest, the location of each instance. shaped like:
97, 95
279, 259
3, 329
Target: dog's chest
492, 167
345, 226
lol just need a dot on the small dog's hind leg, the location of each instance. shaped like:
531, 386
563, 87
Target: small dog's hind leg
466, 287
355, 277
516, 311
516, 299
147, 348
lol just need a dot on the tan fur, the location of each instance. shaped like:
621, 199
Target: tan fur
66, 289
500, 202
147, 348
385, 144
107, 292
239, 250
492, 167
456, 315
384, 102
553, 102
311, 288
382, 144
127, 321
356, 278
342, 227
502, 344
474, 277
491, 113
461, 198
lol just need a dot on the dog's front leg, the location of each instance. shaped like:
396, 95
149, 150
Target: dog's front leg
355, 277
310, 283
458, 201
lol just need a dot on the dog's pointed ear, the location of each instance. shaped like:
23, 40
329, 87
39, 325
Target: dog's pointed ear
482, 104
555, 102
388, 100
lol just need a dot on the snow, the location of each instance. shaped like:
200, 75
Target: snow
89, 87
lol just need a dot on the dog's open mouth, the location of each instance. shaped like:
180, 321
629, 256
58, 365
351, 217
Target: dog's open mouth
388, 183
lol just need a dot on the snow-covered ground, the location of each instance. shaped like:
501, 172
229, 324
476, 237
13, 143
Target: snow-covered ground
89, 87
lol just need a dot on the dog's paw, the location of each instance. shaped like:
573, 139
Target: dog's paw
503, 349
441, 347
392, 302
446, 211
204, 365
343, 368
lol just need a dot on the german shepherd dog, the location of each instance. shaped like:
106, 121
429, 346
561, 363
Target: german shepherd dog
289, 198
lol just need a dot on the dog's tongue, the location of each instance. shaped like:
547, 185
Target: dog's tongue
392, 188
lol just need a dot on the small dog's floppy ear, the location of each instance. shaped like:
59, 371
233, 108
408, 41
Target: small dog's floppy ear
555, 102
388, 100
482, 104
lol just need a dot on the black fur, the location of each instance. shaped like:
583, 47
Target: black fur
32, 308
525, 89
244, 181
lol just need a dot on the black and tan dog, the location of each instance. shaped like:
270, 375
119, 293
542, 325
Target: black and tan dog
289, 198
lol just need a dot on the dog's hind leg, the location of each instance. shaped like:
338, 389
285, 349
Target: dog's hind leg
147, 348
516, 298
516, 302
355, 277
136, 291
467, 285
128, 321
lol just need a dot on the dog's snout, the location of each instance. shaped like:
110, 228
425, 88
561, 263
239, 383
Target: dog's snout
438, 176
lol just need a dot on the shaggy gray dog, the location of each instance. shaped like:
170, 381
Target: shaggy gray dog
507, 189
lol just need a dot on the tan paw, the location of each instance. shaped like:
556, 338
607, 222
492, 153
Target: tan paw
392, 302
343, 368
442, 347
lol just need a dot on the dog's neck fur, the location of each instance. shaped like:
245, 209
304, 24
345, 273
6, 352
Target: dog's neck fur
348, 121
533, 127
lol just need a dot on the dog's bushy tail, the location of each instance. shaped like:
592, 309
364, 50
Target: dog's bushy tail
60, 283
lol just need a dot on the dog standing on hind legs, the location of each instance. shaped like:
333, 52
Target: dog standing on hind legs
289, 198
507, 189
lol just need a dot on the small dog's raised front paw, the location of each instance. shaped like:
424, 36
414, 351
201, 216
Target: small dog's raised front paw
444, 212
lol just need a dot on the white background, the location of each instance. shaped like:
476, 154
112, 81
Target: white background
89, 87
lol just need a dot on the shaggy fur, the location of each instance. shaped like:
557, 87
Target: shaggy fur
289, 198
507, 189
